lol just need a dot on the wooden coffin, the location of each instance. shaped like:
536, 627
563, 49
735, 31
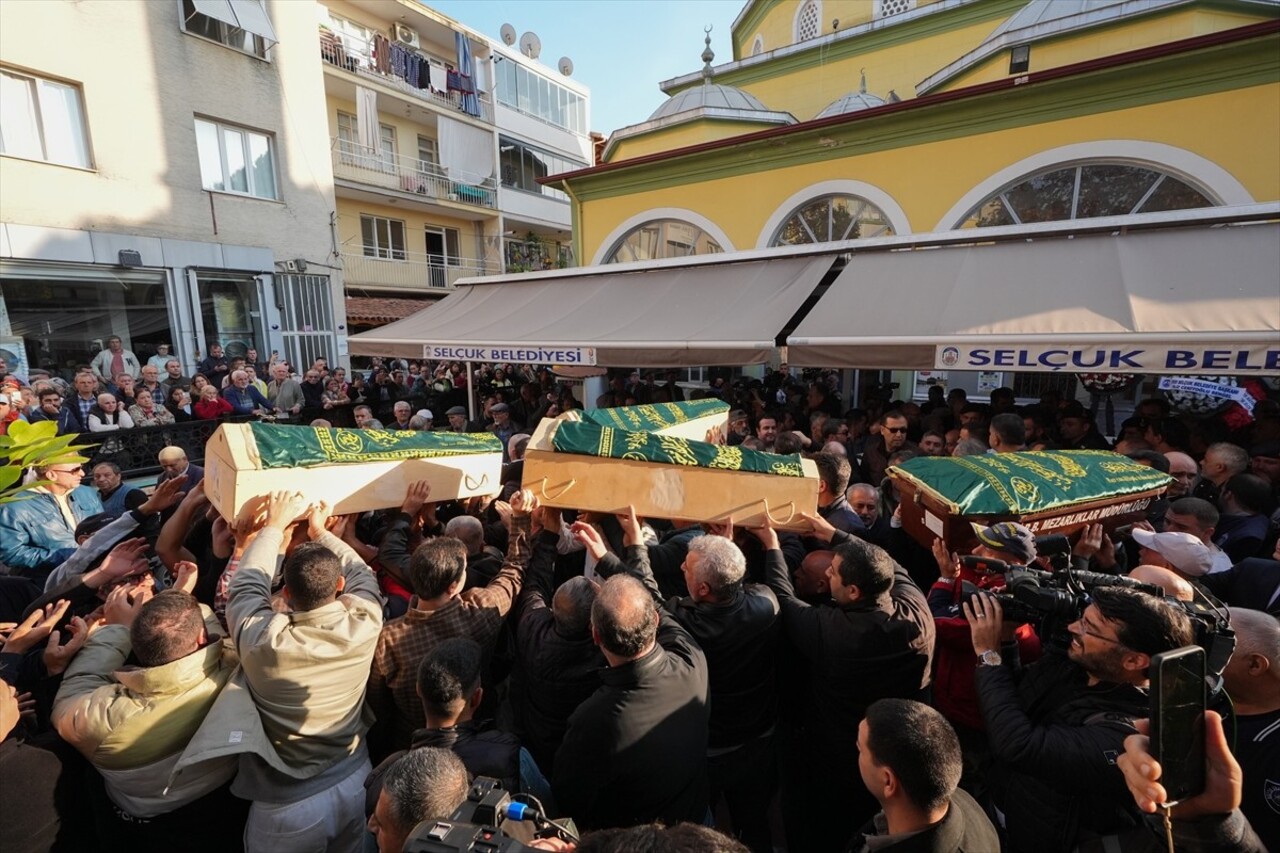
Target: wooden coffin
1056, 491
236, 472
662, 490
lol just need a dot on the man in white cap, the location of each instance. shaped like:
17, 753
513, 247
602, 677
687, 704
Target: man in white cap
1182, 552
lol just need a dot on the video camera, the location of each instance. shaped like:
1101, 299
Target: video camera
474, 826
1054, 599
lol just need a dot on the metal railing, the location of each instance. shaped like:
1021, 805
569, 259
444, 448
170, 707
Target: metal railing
136, 450
366, 165
356, 55
383, 267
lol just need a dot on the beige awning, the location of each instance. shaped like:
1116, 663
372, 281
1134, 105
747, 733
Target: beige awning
722, 313
1181, 300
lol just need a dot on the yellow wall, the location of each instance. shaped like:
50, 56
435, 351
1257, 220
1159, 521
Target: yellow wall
350, 211
806, 92
680, 136
927, 180
1092, 44
778, 26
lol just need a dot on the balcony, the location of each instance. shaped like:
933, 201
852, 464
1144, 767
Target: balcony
407, 270
373, 168
356, 56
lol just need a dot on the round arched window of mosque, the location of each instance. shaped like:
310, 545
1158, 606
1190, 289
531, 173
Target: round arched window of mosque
832, 218
1083, 192
662, 238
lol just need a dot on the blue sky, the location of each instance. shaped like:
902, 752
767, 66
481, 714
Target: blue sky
622, 49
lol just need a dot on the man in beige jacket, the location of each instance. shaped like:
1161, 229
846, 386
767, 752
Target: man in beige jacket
133, 723
295, 711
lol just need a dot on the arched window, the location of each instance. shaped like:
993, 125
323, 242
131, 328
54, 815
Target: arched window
831, 218
807, 21
757, 46
1085, 191
662, 238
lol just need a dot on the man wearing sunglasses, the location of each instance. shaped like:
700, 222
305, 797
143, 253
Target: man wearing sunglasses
892, 438
38, 533
1057, 727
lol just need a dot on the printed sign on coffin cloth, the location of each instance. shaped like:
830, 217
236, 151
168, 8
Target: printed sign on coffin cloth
577, 465
1051, 491
354, 470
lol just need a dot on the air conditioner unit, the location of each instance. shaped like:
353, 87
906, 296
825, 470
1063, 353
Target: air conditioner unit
298, 265
405, 35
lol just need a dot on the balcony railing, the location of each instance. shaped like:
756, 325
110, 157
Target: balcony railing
136, 450
393, 268
366, 165
356, 55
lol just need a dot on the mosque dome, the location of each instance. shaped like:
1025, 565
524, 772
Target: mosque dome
851, 103
708, 95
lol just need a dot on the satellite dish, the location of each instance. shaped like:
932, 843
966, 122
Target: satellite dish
566, 66
530, 45
508, 33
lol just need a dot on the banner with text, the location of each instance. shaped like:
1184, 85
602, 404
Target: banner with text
517, 353
1210, 389
1255, 359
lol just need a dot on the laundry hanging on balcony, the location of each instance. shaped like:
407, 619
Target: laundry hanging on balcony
466, 152
367, 118
470, 104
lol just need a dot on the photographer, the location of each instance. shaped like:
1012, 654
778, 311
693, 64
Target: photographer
1057, 727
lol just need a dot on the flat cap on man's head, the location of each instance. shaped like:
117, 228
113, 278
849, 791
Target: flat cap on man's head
1266, 449
456, 410
500, 407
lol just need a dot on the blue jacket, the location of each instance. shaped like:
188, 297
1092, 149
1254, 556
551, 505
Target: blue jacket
68, 420
35, 536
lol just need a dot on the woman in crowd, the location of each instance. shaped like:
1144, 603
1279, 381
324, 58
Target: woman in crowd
211, 405
179, 404
145, 412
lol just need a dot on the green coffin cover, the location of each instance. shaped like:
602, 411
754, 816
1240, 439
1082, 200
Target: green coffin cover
1031, 482
302, 447
657, 416
589, 439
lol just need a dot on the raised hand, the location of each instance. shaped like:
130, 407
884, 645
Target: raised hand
284, 508
57, 657
631, 532
124, 604
187, 575
523, 502
590, 539
35, 629
129, 557
819, 527
416, 498
168, 494
317, 517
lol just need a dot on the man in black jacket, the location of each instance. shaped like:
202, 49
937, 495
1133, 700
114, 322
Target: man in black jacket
628, 756
909, 758
874, 641
557, 665
1058, 727
738, 628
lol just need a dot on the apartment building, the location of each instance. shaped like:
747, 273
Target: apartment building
160, 180
437, 137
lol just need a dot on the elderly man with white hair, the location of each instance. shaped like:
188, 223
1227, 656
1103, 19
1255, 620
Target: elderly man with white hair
243, 397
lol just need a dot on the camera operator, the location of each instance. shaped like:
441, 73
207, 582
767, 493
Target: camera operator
427, 783
1058, 726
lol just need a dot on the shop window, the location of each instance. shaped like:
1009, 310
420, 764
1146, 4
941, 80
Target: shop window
42, 120
830, 219
383, 238
230, 312
662, 238
58, 317
235, 159
1085, 191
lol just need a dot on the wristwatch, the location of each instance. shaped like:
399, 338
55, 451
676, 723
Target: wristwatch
989, 658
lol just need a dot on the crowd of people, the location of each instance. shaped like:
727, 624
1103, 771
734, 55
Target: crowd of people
289, 680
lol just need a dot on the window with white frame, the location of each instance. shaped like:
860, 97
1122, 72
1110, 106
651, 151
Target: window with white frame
242, 25
888, 8
42, 120
236, 159
428, 155
807, 21
830, 219
662, 238
1085, 191
355, 154
383, 238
